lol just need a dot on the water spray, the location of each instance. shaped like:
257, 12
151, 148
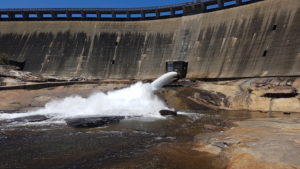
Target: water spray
136, 100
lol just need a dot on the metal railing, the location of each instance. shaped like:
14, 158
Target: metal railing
165, 11
100, 9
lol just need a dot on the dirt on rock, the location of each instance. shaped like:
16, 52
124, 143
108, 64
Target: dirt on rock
258, 143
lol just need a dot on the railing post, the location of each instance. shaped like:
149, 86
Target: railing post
128, 15
193, 7
11, 15
184, 10
143, 14
25, 16
69, 15
98, 15
83, 15
172, 11
157, 14
39, 15
54, 15
114, 16
238, 2
221, 4
203, 7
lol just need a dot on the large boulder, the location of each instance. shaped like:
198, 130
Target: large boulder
88, 122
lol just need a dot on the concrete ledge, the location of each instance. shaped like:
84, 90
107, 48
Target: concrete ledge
56, 84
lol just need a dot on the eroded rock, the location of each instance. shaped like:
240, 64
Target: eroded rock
212, 97
211, 127
221, 144
256, 94
209, 149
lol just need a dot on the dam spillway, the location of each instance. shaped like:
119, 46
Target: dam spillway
254, 40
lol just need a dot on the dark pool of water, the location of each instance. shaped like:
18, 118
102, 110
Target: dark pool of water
132, 143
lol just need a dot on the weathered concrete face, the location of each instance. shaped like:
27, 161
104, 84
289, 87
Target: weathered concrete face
259, 39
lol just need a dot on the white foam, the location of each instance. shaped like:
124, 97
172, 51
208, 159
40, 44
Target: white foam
136, 100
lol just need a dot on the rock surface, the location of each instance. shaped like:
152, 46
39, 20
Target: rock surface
209, 149
211, 127
89, 122
258, 143
256, 94
7, 71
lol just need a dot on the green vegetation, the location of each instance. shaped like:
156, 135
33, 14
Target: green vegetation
4, 59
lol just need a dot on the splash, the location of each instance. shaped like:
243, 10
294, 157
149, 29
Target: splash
136, 100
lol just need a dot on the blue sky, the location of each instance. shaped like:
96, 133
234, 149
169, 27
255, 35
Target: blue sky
85, 3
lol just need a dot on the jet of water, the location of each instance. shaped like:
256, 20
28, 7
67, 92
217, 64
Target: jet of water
136, 100
163, 80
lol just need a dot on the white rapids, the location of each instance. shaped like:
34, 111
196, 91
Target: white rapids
137, 100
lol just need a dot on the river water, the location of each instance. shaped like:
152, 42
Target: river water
133, 143
145, 140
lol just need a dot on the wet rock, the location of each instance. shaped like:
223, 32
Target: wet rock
89, 122
211, 98
15, 105
167, 113
209, 149
36, 118
44, 98
3, 137
211, 127
220, 144
180, 98
40, 101
263, 143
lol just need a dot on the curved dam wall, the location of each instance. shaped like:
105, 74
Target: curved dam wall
258, 39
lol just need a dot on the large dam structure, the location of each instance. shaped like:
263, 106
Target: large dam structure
249, 39
150, 84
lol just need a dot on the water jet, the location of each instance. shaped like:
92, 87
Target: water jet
137, 100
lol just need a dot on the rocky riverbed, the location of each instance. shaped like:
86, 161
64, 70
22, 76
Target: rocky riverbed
209, 139
245, 123
277, 94
257, 143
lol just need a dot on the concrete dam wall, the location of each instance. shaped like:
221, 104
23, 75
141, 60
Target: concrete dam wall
258, 39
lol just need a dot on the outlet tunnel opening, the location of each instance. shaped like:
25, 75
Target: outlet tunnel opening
177, 66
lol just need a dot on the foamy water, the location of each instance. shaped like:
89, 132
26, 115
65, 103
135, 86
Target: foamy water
137, 100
